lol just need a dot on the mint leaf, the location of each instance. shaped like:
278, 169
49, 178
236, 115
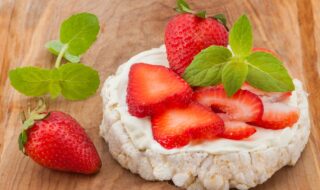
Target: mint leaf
55, 46
78, 81
31, 81
78, 32
54, 86
267, 73
205, 69
233, 76
240, 37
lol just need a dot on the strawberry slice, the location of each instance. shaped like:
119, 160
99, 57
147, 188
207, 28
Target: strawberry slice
151, 88
236, 130
177, 126
243, 106
278, 116
271, 96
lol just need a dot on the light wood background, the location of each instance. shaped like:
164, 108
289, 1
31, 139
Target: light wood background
290, 27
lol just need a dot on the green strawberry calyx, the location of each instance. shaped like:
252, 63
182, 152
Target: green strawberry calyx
28, 120
183, 7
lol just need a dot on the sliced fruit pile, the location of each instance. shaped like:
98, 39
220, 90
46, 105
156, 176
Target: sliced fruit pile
179, 115
210, 92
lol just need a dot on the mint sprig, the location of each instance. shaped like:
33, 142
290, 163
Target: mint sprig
73, 81
217, 64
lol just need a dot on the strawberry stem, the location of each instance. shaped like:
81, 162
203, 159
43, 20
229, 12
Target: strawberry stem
22, 116
61, 53
27, 122
183, 7
222, 19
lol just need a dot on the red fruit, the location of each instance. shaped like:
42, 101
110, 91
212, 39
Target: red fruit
177, 126
236, 130
59, 142
272, 96
258, 49
152, 88
242, 106
278, 116
282, 96
186, 35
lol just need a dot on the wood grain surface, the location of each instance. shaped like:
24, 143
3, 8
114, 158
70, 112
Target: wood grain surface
290, 27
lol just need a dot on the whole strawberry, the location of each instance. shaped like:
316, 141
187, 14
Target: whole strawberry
56, 140
187, 34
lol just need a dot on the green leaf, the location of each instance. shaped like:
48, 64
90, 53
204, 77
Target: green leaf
39, 116
233, 76
183, 7
79, 32
55, 47
221, 18
206, 67
54, 86
78, 81
30, 81
201, 14
267, 73
27, 123
240, 37
20, 142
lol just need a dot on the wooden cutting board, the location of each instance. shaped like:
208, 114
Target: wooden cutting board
289, 27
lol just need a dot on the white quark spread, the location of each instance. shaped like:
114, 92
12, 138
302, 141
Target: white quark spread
140, 132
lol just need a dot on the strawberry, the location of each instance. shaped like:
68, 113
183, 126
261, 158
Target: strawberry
187, 34
272, 96
151, 88
177, 126
236, 130
242, 106
278, 116
259, 49
55, 140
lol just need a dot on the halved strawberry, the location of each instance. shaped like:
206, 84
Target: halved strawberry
243, 106
236, 130
271, 96
278, 116
151, 88
177, 126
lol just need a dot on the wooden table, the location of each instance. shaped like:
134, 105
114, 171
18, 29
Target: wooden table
290, 27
